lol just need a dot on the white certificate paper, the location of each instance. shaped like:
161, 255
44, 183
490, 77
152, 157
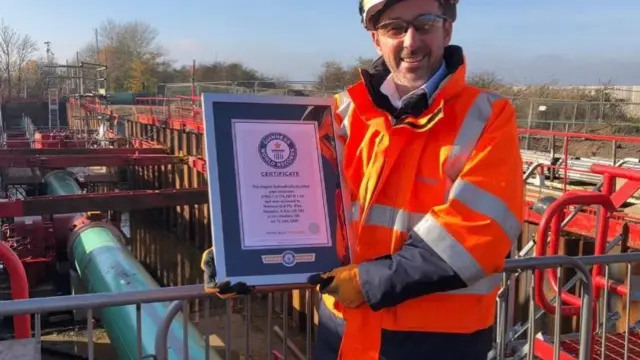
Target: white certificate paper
280, 184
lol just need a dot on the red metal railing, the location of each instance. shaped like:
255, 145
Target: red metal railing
19, 289
566, 139
551, 222
182, 112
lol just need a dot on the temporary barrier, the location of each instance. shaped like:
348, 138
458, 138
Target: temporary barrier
170, 345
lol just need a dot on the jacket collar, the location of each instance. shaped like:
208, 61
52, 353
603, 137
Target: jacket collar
374, 77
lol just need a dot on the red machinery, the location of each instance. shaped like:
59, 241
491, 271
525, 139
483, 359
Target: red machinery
551, 222
33, 241
36, 226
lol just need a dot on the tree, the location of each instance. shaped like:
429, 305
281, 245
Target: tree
335, 76
486, 80
32, 78
9, 40
123, 45
26, 48
139, 76
15, 51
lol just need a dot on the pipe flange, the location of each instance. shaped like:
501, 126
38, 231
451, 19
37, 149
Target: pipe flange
75, 233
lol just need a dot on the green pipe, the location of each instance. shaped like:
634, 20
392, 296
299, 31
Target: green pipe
105, 266
61, 182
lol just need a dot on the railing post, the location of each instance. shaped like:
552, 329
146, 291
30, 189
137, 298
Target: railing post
163, 329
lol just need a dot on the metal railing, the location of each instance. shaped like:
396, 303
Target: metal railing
163, 342
170, 345
597, 338
167, 344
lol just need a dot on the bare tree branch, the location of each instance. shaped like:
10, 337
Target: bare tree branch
9, 40
26, 48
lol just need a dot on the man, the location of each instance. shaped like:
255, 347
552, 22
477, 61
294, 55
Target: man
433, 172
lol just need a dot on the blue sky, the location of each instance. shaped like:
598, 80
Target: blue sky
526, 41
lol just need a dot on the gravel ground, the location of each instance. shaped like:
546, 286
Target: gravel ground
72, 344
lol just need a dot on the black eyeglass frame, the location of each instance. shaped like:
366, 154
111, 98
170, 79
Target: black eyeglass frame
383, 27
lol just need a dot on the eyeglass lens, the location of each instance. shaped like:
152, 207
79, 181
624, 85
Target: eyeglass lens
423, 25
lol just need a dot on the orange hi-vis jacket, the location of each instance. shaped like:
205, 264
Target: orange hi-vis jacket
436, 205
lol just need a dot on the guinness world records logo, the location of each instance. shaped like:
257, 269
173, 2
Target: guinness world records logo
277, 150
288, 258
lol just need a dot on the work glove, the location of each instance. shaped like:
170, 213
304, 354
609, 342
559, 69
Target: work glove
342, 283
224, 289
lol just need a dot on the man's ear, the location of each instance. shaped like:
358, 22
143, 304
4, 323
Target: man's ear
376, 42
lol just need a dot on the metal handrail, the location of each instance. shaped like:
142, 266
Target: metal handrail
163, 330
548, 262
97, 300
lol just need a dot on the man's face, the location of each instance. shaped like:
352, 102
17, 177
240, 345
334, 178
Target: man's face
412, 56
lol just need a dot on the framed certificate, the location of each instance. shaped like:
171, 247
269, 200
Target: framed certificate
272, 186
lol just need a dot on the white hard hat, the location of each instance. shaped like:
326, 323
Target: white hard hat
368, 8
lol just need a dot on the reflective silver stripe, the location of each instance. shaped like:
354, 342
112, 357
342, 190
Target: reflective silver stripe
436, 236
482, 201
388, 216
469, 194
484, 286
450, 250
439, 240
344, 105
469, 133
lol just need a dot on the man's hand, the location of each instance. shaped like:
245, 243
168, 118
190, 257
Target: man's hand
343, 283
224, 289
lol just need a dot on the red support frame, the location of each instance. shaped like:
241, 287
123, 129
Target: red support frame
4, 153
61, 161
117, 201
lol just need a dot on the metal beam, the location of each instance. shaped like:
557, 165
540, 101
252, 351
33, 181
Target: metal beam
84, 179
80, 151
61, 161
63, 143
117, 201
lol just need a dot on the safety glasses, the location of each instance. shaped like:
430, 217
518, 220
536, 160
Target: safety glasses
423, 25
